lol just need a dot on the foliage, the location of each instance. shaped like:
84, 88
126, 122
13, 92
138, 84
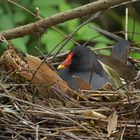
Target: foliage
12, 16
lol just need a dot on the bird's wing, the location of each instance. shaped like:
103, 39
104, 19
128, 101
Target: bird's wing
121, 50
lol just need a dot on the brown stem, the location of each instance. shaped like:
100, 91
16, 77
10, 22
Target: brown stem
87, 9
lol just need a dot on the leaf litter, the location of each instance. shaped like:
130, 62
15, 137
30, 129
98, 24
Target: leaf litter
42, 106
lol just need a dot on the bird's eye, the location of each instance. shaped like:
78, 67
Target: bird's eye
77, 55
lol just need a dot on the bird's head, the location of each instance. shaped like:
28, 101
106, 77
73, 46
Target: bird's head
79, 58
67, 62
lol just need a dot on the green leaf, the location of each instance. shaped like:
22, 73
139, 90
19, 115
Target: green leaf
25, 3
53, 38
5, 22
64, 6
19, 17
48, 7
47, 11
1, 11
72, 24
85, 33
132, 28
19, 43
135, 55
104, 51
103, 39
113, 75
44, 3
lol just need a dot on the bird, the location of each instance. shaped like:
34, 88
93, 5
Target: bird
82, 62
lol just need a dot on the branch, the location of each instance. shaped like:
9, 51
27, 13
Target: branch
87, 9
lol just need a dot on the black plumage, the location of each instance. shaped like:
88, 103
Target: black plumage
84, 64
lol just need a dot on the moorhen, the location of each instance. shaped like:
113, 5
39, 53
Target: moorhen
82, 62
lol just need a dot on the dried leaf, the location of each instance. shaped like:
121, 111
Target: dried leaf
44, 75
112, 123
36, 71
9, 61
107, 86
138, 75
9, 110
55, 103
82, 83
91, 113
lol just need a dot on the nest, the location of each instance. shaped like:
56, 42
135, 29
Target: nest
38, 105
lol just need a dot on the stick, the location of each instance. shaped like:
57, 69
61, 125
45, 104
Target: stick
37, 26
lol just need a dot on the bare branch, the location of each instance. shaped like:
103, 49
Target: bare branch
87, 9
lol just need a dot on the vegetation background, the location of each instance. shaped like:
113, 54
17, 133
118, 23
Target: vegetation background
27, 109
112, 20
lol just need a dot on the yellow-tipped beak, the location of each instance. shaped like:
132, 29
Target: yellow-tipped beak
60, 67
